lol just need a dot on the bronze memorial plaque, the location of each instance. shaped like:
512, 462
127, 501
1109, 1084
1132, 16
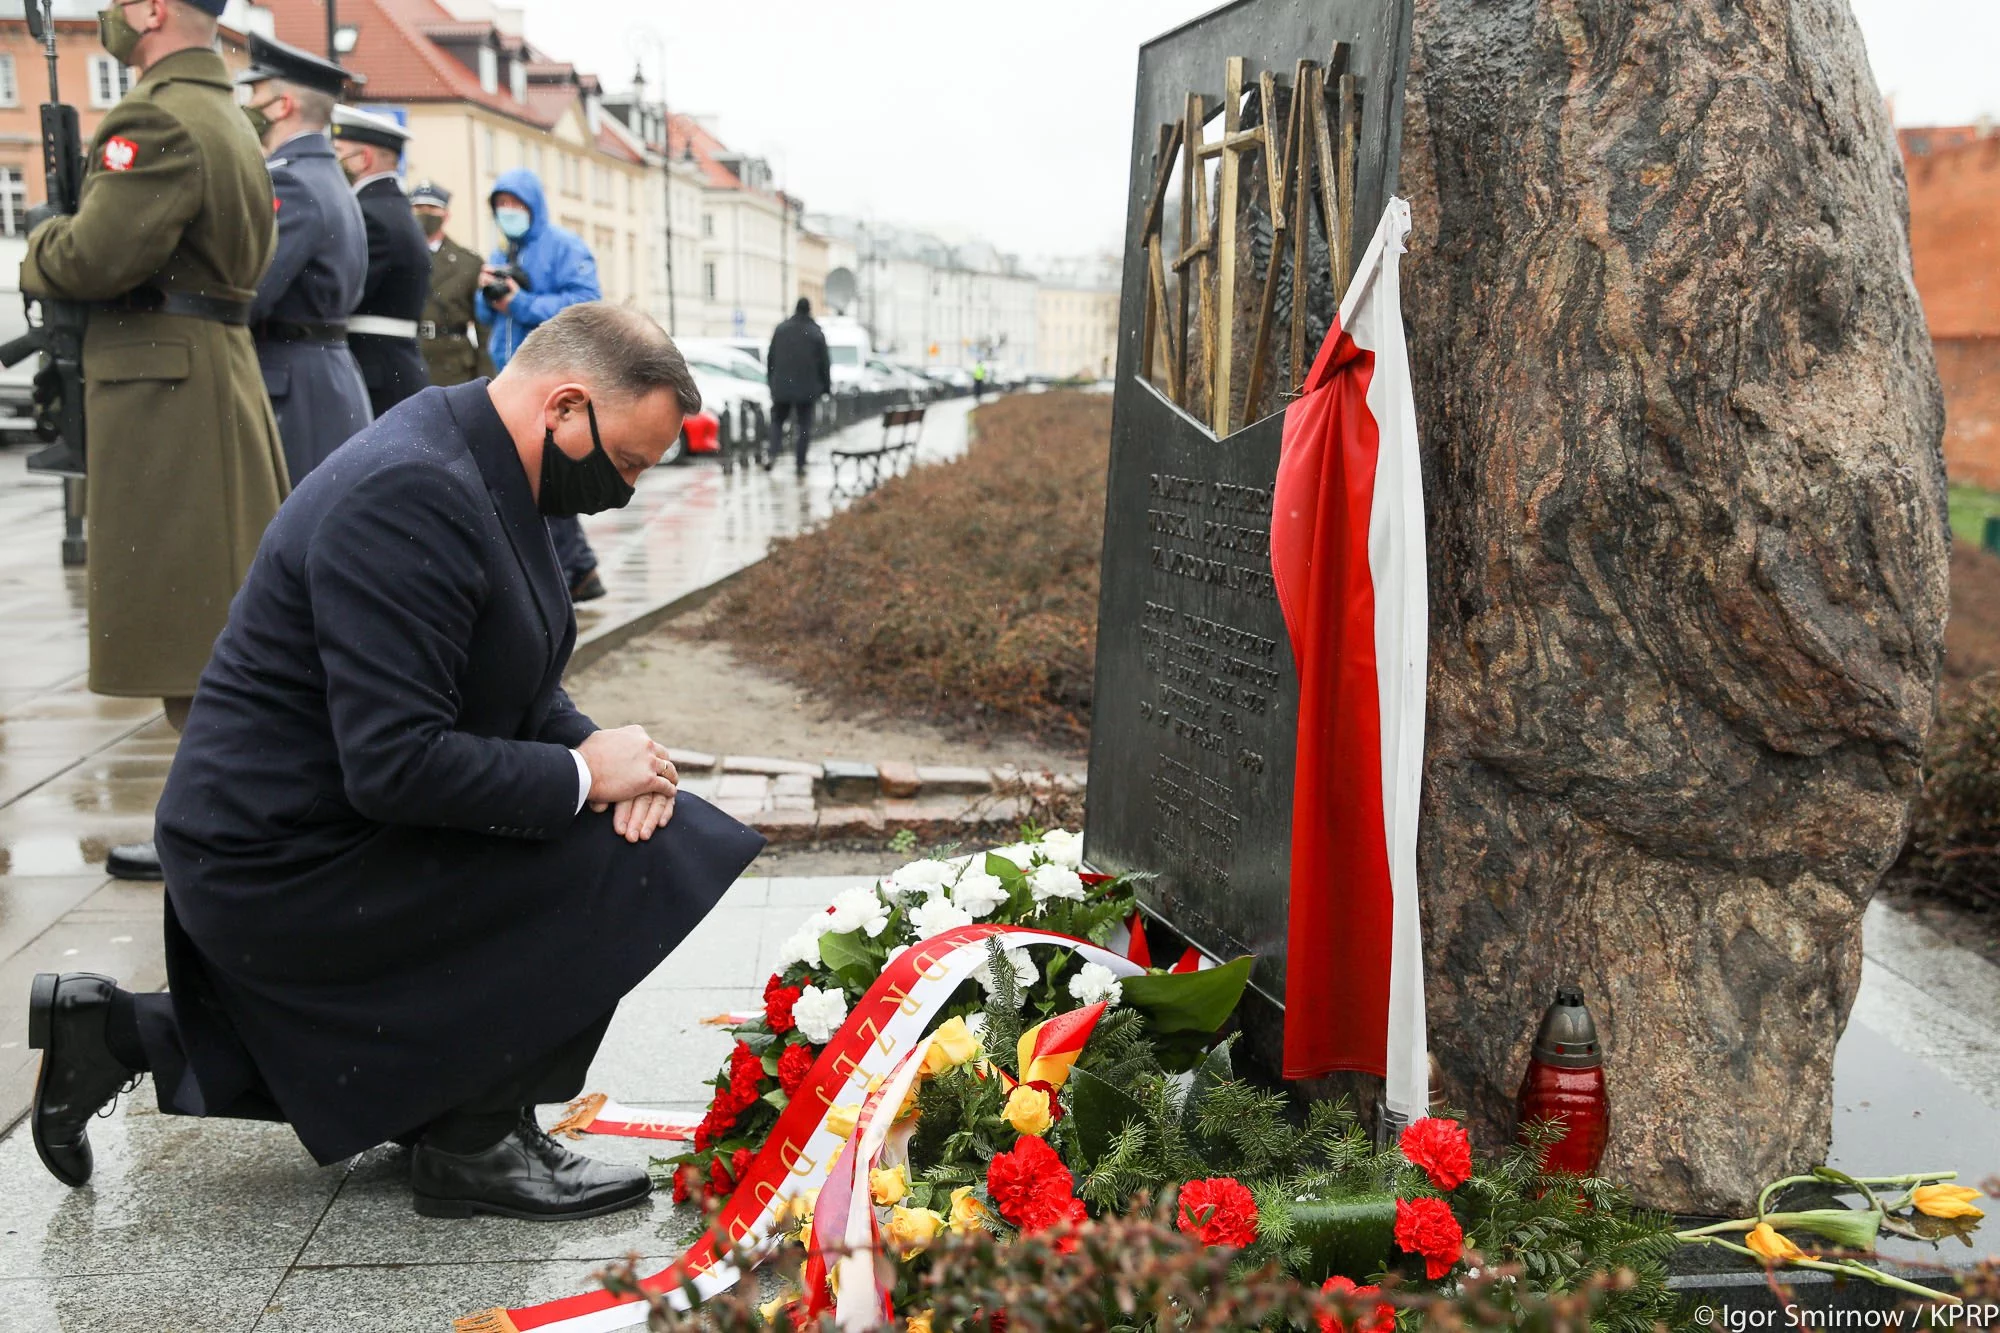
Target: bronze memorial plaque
1194, 716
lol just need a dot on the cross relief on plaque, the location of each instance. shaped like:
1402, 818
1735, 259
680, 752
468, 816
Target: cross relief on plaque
1258, 189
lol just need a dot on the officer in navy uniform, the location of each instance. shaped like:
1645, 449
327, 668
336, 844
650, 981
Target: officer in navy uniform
314, 282
383, 330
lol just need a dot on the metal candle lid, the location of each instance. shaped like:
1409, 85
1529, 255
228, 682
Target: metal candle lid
1568, 1039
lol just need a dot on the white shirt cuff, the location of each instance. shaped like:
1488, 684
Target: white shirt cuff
582, 779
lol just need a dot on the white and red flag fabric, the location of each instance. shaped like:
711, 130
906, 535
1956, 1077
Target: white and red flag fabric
1347, 553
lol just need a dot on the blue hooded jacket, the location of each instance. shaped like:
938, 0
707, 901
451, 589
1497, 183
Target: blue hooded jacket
558, 264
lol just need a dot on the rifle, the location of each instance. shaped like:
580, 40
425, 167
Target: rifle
55, 328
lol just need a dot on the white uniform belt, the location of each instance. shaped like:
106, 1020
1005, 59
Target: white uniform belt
382, 326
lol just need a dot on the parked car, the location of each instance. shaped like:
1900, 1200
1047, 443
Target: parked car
847, 352
736, 408
894, 379
724, 356
17, 383
952, 379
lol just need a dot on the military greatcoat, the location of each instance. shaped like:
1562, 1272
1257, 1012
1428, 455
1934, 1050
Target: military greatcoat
185, 465
454, 343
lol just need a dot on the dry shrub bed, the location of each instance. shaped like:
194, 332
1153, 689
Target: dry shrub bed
964, 593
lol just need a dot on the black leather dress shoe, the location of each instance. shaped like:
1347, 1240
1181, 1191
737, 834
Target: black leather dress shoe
134, 860
588, 588
79, 1073
527, 1175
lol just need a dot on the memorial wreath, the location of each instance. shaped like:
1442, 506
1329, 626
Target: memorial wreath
980, 1045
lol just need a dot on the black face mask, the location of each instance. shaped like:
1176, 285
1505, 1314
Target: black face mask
588, 485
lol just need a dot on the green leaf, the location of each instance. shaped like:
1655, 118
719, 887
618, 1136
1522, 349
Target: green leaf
1349, 1235
1100, 1112
770, 1063
1197, 1002
779, 1098
849, 957
1020, 898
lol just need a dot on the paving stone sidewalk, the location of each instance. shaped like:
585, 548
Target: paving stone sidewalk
79, 772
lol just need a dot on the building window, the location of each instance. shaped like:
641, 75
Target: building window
491, 143
517, 80
708, 280
708, 224
539, 172
13, 201
10, 91
489, 69
109, 81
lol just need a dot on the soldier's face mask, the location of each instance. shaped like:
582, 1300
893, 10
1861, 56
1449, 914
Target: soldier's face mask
586, 485
432, 223
116, 32
259, 116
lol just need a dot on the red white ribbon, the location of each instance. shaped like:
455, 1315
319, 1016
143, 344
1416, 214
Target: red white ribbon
881, 1032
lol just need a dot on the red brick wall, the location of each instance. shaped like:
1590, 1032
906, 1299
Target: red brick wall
1970, 369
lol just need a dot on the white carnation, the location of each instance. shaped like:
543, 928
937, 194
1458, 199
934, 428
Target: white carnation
1094, 982
802, 947
978, 892
1020, 853
819, 1013
1063, 847
934, 916
1053, 881
928, 876
895, 953
1025, 974
858, 909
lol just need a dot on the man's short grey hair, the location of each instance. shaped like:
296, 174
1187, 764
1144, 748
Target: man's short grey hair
616, 350
313, 107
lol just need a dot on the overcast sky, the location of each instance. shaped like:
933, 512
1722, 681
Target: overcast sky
1013, 120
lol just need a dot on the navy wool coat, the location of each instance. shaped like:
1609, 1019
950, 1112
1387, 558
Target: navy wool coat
381, 896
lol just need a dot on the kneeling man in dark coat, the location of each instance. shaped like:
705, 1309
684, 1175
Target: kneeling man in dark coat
407, 881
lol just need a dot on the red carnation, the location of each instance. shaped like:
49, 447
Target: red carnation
1441, 1149
719, 1176
746, 1073
793, 1066
721, 1118
778, 1002
1030, 1186
1075, 1217
684, 1178
1381, 1320
1426, 1227
739, 1162
1218, 1211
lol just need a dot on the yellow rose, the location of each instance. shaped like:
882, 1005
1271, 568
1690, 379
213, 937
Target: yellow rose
920, 1322
1767, 1241
911, 1229
887, 1185
1946, 1201
951, 1046
1028, 1110
967, 1213
797, 1211
771, 1309
842, 1119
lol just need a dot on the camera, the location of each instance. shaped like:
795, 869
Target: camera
497, 291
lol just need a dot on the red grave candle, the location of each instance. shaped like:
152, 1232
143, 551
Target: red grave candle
1566, 1078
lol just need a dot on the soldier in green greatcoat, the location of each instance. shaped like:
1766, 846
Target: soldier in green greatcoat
173, 231
453, 342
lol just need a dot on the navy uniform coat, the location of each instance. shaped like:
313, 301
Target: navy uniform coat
315, 278
381, 895
397, 287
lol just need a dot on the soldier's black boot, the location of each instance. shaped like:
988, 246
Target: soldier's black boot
79, 1074
134, 860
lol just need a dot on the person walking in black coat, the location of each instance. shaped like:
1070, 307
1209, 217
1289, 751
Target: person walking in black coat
407, 881
799, 372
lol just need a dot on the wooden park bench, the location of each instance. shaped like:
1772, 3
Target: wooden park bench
860, 468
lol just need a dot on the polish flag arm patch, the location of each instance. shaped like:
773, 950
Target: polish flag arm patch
119, 153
